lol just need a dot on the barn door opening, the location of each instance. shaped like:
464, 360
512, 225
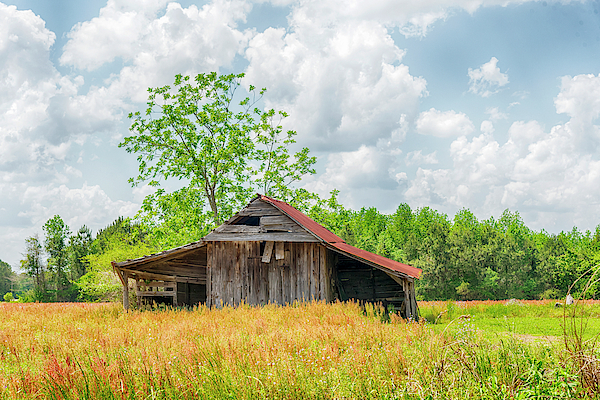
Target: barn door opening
190, 294
361, 282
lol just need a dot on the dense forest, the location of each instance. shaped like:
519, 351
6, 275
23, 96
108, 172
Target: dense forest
194, 132
462, 258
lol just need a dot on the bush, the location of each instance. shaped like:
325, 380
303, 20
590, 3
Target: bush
550, 294
9, 296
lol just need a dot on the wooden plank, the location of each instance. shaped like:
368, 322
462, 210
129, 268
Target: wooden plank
298, 271
156, 294
266, 256
286, 278
125, 278
301, 236
293, 273
176, 270
216, 275
323, 273
184, 264
279, 219
264, 283
210, 275
314, 271
229, 255
222, 269
413, 300
272, 277
239, 229
279, 251
236, 284
407, 301
161, 284
253, 282
244, 262
258, 212
305, 271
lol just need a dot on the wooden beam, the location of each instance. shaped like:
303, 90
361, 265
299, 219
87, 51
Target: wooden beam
125, 291
163, 277
239, 229
279, 251
299, 237
266, 257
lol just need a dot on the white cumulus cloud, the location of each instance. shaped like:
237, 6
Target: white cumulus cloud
487, 79
551, 177
343, 83
444, 124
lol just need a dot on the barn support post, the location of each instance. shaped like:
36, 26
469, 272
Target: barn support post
124, 278
125, 291
413, 297
407, 301
209, 274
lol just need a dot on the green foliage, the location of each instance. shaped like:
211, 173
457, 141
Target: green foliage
55, 244
7, 276
121, 229
80, 245
174, 219
468, 259
276, 173
33, 266
224, 147
120, 241
9, 296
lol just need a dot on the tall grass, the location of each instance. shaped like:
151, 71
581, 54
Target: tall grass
304, 351
581, 347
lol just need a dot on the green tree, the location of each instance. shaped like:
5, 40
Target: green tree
123, 230
200, 132
34, 266
80, 245
55, 244
173, 219
276, 171
121, 240
7, 276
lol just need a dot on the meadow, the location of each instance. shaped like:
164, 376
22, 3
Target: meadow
479, 350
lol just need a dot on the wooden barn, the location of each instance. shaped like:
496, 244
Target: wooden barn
269, 252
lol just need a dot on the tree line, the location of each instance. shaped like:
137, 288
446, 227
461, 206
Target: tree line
462, 258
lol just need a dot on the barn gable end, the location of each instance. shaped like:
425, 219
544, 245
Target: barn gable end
261, 221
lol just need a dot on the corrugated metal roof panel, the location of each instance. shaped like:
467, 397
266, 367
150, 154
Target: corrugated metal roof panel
338, 243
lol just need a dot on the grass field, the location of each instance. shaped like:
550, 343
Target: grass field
306, 351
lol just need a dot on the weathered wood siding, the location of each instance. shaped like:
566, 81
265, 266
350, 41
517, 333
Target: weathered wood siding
236, 273
273, 225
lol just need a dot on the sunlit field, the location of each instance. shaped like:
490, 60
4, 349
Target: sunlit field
544, 319
305, 351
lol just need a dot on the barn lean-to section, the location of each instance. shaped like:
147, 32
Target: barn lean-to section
270, 252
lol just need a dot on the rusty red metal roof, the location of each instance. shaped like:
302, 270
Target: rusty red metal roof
337, 242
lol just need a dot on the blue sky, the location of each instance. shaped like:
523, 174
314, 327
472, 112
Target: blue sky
479, 104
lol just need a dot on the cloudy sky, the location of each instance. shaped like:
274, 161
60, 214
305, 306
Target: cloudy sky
479, 104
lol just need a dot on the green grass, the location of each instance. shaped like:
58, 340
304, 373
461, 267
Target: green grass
496, 320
